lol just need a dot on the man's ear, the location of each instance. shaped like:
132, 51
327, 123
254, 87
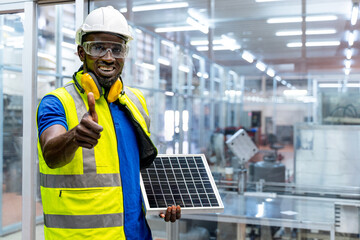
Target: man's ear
81, 53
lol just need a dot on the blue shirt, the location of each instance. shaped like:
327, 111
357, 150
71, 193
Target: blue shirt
52, 112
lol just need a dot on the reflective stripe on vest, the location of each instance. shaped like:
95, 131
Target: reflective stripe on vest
83, 221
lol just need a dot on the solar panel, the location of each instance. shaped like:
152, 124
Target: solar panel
183, 180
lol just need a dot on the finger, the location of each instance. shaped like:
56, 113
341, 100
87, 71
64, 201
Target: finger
178, 212
91, 103
173, 214
161, 215
90, 124
168, 214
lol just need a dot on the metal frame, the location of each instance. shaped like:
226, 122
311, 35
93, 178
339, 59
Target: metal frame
29, 123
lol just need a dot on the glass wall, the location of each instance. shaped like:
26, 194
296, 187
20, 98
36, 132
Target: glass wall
11, 91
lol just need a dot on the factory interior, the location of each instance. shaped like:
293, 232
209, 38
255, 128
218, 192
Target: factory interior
267, 90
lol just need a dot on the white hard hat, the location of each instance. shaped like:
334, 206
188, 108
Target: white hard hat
104, 19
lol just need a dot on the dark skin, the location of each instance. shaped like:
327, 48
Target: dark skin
59, 146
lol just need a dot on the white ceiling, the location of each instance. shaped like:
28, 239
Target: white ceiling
245, 21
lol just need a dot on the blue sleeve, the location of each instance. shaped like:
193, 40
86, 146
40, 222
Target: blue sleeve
50, 112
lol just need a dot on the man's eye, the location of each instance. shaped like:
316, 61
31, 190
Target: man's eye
116, 49
98, 48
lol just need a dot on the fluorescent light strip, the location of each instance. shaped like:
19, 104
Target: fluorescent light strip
176, 29
270, 72
248, 56
218, 48
314, 44
347, 63
146, 66
351, 38
68, 45
338, 85
259, 1
308, 32
348, 53
167, 43
157, 7
202, 28
354, 14
68, 32
204, 42
299, 19
163, 61
184, 68
261, 66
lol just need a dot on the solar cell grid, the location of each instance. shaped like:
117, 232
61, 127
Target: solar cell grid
183, 180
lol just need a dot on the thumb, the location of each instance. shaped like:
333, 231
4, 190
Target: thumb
91, 102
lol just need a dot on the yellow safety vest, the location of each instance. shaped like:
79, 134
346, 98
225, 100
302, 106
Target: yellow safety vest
83, 199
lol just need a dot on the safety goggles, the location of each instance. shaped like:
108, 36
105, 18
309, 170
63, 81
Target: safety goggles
100, 48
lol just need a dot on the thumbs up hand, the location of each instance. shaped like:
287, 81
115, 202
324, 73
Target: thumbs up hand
88, 131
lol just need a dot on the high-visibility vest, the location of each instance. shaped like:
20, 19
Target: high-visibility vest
83, 199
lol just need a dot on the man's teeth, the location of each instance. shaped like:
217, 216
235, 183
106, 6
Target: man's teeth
104, 68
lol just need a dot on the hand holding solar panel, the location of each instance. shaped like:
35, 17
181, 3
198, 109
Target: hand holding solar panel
183, 180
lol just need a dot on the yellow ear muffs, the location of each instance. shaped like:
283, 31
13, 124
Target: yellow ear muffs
115, 90
90, 84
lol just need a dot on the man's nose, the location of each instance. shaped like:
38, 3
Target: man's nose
108, 55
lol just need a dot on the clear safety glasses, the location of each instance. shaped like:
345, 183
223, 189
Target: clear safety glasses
100, 48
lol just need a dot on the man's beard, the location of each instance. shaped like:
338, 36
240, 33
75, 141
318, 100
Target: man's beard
107, 82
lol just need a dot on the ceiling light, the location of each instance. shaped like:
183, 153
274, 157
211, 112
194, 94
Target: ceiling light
322, 44
347, 71
308, 32
278, 78
284, 20
157, 7
175, 29
167, 43
294, 44
299, 19
347, 63
270, 72
354, 13
68, 32
314, 44
146, 66
217, 48
204, 42
184, 68
196, 57
288, 33
247, 56
229, 42
163, 61
68, 45
338, 85
348, 53
170, 94
201, 27
268, 0
321, 18
283, 82
351, 38
261, 66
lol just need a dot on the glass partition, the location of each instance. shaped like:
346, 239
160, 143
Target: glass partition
11, 106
